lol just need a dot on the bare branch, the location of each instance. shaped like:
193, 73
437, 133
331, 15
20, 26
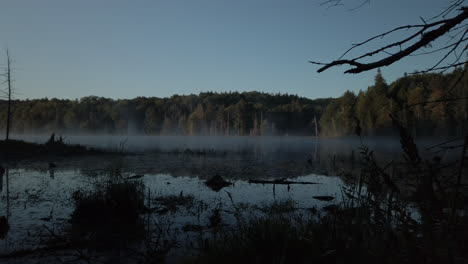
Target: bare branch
443, 68
428, 32
334, 3
450, 52
331, 3
449, 9
360, 5
442, 100
440, 49
385, 34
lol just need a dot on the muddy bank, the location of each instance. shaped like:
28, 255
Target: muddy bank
18, 149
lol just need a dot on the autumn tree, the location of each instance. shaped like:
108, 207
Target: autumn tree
443, 35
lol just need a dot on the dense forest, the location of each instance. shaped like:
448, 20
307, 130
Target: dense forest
428, 104
254, 113
249, 113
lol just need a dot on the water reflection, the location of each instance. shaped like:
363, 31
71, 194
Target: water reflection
37, 194
41, 196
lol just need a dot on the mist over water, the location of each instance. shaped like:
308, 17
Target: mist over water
265, 145
181, 165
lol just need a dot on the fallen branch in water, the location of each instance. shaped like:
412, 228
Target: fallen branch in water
134, 177
279, 181
324, 198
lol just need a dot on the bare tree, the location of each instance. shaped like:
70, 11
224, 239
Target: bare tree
424, 38
8, 92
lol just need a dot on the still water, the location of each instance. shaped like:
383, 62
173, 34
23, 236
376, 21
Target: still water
36, 194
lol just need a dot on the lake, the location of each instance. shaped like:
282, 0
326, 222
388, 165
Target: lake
36, 194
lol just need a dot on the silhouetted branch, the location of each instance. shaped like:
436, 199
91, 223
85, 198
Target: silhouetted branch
440, 49
443, 68
428, 32
360, 5
443, 143
455, 4
334, 3
331, 3
442, 100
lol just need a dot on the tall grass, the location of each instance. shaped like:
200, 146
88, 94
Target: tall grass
413, 211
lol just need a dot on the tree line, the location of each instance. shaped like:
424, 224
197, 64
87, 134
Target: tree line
233, 113
428, 104
255, 113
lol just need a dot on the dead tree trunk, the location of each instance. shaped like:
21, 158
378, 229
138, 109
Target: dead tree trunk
9, 90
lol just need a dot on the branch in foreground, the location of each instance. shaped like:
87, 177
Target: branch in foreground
427, 37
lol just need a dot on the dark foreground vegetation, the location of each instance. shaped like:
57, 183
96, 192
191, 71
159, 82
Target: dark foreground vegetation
401, 212
410, 212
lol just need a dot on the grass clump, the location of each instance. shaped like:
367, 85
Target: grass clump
262, 240
279, 207
111, 212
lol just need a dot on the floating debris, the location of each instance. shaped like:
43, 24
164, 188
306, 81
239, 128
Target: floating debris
137, 176
215, 218
324, 198
279, 181
4, 227
192, 228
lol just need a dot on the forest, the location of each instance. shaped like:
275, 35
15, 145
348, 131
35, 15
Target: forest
248, 113
256, 114
428, 104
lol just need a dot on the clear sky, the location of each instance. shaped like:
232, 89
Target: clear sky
125, 49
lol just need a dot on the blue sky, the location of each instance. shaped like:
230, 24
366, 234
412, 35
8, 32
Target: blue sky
125, 49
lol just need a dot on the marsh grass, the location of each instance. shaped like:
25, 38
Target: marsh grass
111, 212
173, 203
400, 212
279, 207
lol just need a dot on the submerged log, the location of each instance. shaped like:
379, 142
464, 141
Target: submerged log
137, 176
73, 245
279, 181
324, 198
4, 226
